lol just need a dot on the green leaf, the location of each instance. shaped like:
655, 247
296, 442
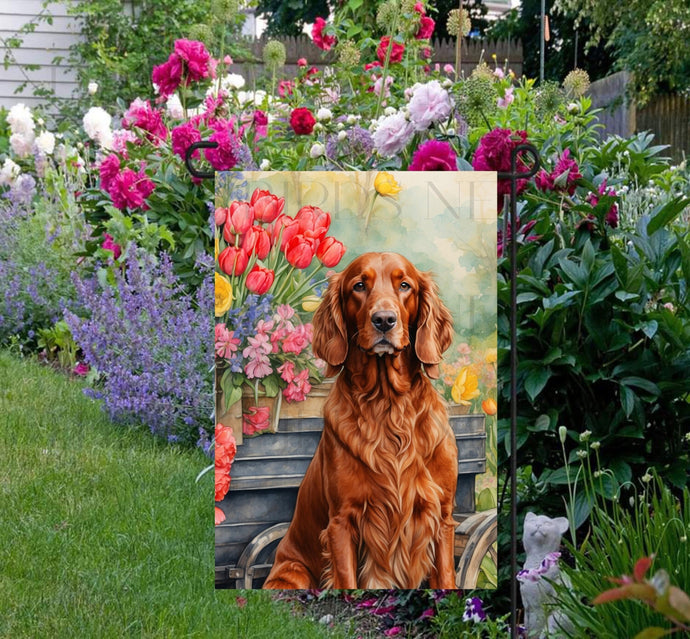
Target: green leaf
588, 256
271, 385
486, 500
542, 423
536, 380
583, 506
667, 213
642, 384
653, 632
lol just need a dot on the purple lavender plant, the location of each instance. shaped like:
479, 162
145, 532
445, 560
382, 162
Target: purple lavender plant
152, 345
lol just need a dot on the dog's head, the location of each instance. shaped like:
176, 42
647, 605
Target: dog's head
383, 305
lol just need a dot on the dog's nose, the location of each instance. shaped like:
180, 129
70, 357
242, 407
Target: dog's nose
384, 320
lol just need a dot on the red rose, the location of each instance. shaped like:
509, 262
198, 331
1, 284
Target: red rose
256, 240
256, 419
372, 65
241, 217
267, 207
233, 261
426, 28
260, 280
289, 228
330, 252
299, 251
302, 121
396, 51
321, 40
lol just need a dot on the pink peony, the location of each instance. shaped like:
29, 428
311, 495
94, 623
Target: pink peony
543, 181
183, 137
392, 134
430, 103
129, 190
142, 116
302, 62
110, 245
285, 88
320, 39
168, 76
197, 60
121, 138
493, 154
592, 199
255, 420
108, 169
434, 155
225, 156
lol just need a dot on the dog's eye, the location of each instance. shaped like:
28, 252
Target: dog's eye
404, 286
359, 286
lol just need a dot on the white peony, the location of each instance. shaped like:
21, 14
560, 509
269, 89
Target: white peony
92, 87
324, 114
265, 165
232, 81
317, 150
45, 142
22, 144
20, 120
10, 172
173, 107
392, 134
97, 126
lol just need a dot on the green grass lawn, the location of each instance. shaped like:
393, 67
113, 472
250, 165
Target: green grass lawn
103, 531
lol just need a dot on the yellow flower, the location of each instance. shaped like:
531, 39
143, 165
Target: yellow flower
491, 356
465, 387
216, 248
223, 295
310, 303
385, 184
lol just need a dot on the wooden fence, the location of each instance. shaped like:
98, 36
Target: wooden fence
667, 116
443, 53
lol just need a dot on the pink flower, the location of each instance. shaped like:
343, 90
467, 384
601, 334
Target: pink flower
81, 369
428, 613
287, 371
258, 368
108, 169
299, 251
507, 98
227, 60
109, 245
298, 388
285, 312
611, 217
183, 137
129, 190
397, 51
499, 73
226, 344
321, 40
286, 228
543, 181
260, 280
448, 68
256, 419
142, 116
393, 632
434, 155
372, 65
330, 252
493, 154
121, 138
263, 326
197, 60
302, 62
219, 516
168, 76
278, 336
379, 85
285, 88
426, 28
298, 339
257, 240
224, 157
566, 173
429, 104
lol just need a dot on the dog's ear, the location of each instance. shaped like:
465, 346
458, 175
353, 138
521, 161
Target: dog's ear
330, 333
434, 326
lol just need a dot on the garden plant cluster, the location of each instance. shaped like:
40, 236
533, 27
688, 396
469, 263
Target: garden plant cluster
107, 249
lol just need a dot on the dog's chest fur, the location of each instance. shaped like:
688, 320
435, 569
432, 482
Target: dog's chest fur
401, 508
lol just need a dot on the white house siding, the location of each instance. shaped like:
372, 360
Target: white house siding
40, 47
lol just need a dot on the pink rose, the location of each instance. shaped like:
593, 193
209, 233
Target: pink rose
320, 39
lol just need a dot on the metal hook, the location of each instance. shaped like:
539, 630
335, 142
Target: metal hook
188, 159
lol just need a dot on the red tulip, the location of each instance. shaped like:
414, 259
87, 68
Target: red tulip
221, 214
267, 207
257, 240
241, 216
330, 252
260, 280
233, 261
289, 228
299, 251
228, 235
312, 218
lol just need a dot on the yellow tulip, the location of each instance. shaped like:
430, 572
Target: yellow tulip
385, 184
223, 295
310, 303
465, 387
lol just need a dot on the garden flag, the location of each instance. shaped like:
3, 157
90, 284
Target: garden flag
355, 341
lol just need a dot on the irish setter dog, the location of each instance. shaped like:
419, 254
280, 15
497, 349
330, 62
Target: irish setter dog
375, 508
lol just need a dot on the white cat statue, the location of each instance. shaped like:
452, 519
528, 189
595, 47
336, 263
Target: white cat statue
542, 539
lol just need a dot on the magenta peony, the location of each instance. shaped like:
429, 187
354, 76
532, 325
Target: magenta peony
129, 190
183, 137
197, 60
426, 28
108, 169
225, 156
168, 76
142, 116
493, 154
434, 155
321, 40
